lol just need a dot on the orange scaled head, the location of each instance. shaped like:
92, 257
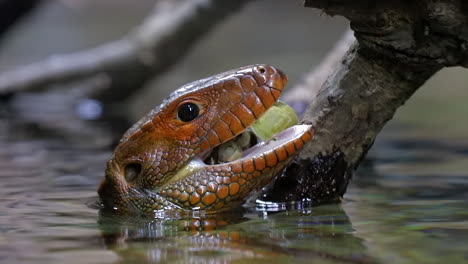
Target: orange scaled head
192, 120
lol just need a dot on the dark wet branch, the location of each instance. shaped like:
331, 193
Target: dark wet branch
400, 44
429, 32
164, 37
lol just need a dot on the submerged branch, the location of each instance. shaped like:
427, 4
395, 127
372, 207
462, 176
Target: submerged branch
164, 37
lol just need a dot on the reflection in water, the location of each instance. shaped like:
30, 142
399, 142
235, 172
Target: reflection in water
322, 234
410, 206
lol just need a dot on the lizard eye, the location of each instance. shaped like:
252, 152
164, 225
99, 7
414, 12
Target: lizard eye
188, 112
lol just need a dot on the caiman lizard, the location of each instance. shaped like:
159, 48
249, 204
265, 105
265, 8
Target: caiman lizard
158, 163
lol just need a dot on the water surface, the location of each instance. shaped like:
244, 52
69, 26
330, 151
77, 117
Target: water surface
407, 204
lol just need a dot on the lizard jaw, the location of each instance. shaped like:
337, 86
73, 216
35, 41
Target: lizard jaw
218, 187
280, 142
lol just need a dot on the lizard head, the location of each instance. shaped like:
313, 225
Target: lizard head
159, 162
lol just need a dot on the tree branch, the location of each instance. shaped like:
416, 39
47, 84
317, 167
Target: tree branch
300, 95
399, 46
164, 37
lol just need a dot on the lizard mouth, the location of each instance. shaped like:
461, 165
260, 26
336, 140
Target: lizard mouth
258, 144
225, 175
281, 146
220, 186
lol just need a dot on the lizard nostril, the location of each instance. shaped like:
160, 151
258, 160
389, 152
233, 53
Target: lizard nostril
132, 170
261, 70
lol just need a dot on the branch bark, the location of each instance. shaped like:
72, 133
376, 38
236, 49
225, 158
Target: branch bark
399, 46
164, 37
299, 96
